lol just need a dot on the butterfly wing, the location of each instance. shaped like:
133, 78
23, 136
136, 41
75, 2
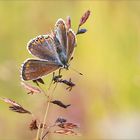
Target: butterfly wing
61, 34
66, 37
33, 69
43, 47
71, 43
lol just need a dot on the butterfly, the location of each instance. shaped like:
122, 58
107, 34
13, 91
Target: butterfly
53, 50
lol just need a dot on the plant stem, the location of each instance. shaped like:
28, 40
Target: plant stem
47, 109
46, 113
37, 135
39, 127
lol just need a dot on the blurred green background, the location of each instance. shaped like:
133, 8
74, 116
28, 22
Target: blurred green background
106, 100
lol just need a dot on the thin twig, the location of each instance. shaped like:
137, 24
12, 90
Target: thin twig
44, 120
37, 135
48, 131
47, 109
38, 131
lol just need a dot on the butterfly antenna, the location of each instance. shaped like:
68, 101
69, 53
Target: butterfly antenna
76, 71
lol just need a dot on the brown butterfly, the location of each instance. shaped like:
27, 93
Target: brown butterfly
54, 51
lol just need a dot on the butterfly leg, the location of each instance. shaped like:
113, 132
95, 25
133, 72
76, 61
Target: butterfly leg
52, 81
39, 80
53, 78
35, 81
59, 71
